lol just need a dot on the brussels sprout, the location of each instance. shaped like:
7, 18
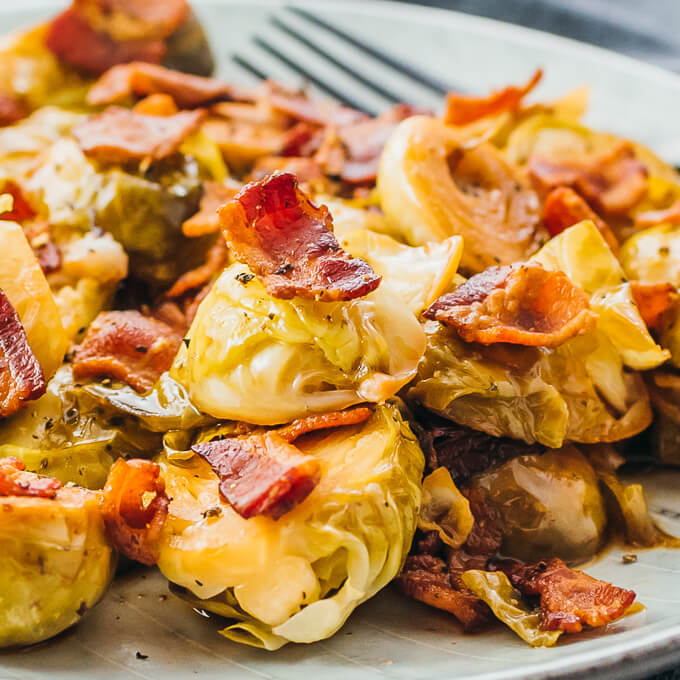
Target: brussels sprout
298, 578
69, 435
267, 361
550, 505
653, 255
188, 49
56, 563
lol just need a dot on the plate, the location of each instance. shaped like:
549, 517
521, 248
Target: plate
141, 631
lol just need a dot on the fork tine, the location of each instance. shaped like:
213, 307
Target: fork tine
307, 75
247, 66
415, 74
372, 85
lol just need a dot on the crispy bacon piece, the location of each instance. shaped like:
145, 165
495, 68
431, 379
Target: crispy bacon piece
305, 169
426, 578
11, 109
197, 278
127, 346
463, 109
206, 221
14, 481
563, 208
653, 301
134, 508
288, 241
22, 209
612, 182
570, 599
141, 79
261, 474
21, 377
318, 112
522, 304
71, 38
120, 135
324, 421
652, 217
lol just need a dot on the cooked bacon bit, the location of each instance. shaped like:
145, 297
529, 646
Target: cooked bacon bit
364, 142
141, 79
653, 301
206, 221
170, 314
11, 109
261, 474
298, 106
612, 182
570, 599
305, 169
14, 481
120, 135
563, 208
75, 42
196, 278
302, 140
652, 217
127, 346
21, 377
324, 421
288, 241
156, 105
134, 508
522, 304
22, 209
463, 109
427, 579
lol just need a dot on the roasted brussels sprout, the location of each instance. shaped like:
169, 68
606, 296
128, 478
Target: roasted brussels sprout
188, 49
56, 562
550, 505
297, 578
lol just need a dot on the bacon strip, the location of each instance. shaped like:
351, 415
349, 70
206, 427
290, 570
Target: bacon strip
522, 304
71, 38
120, 135
196, 278
21, 377
652, 217
127, 346
653, 301
206, 221
463, 109
305, 169
141, 79
570, 599
14, 481
11, 109
563, 208
261, 474
612, 182
318, 112
324, 421
134, 508
288, 241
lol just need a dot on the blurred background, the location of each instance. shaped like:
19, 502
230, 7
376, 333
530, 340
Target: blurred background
645, 29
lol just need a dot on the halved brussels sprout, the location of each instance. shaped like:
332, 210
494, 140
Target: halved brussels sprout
267, 361
298, 578
188, 49
550, 505
56, 563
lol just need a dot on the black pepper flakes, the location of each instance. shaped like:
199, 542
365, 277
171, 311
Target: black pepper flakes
244, 277
629, 558
141, 656
142, 349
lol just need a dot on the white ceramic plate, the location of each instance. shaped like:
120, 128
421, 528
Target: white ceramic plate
390, 637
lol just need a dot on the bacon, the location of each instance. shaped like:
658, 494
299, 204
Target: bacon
21, 377
303, 139
288, 241
324, 421
75, 42
22, 209
652, 217
612, 182
463, 109
141, 79
318, 112
120, 135
206, 221
11, 109
570, 599
260, 474
156, 105
522, 304
14, 481
196, 278
427, 579
134, 508
563, 208
654, 300
305, 169
127, 346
